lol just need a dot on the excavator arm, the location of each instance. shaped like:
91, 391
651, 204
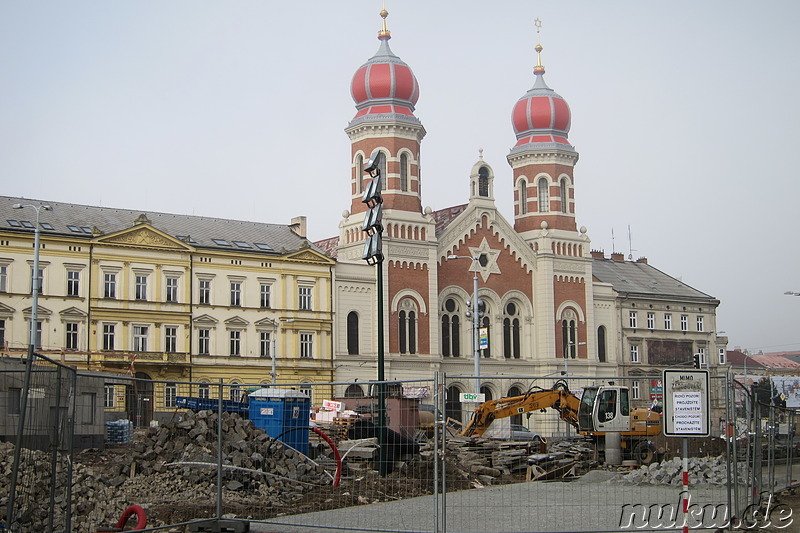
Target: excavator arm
558, 398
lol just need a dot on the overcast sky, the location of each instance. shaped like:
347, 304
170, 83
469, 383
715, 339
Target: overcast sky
686, 116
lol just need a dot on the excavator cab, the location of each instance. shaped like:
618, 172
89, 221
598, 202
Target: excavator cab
604, 408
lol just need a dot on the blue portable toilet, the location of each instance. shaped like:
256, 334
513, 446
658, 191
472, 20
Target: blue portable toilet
277, 411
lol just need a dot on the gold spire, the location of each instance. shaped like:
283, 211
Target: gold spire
539, 68
384, 33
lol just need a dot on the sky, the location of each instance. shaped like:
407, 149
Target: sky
685, 115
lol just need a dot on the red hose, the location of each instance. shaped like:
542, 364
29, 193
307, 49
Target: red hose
141, 519
336, 455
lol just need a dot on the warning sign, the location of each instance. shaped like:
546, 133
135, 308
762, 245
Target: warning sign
687, 402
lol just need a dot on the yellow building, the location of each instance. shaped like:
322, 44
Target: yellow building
168, 298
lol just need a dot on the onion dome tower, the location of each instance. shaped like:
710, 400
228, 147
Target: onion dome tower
385, 92
542, 159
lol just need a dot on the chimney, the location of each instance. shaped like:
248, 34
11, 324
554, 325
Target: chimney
642, 260
618, 256
598, 254
298, 226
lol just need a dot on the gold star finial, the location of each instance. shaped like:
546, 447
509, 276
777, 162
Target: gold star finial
539, 69
480, 154
384, 33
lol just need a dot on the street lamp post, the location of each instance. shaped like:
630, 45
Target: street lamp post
23, 404
475, 319
566, 354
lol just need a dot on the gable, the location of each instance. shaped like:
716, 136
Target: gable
144, 236
205, 320
310, 256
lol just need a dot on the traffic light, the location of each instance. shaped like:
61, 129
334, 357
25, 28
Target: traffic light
373, 219
696, 360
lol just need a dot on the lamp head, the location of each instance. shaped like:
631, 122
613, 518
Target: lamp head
16, 206
47, 207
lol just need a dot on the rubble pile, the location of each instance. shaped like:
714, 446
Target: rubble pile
174, 463
702, 470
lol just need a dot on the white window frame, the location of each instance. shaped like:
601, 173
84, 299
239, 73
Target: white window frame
110, 285
721, 353
265, 342
651, 320
668, 321
170, 395
171, 285
203, 341
636, 391
701, 352
634, 353
140, 287
170, 339
235, 342
236, 294
109, 337
71, 341
305, 300
109, 396
73, 282
204, 391
633, 319
204, 296
266, 296
306, 345
684, 322
700, 323
3, 278
140, 334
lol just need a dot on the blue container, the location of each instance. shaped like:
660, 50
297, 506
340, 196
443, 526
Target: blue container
278, 412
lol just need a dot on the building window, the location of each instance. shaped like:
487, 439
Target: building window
205, 291
700, 323
236, 294
170, 393
403, 172
633, 319
266, 344
265, 295
564, 196
485, 324
73, 283
569, 336
451, 329
483, 182
667, 321
236, 342
523, 197
108, 396
304, 298
352, 333
407, 326
635, 390
170, 339
172, 290
306, 389
360, 174
72, 335
306, 345
109, 285
2, 334
511, 337
722, 356
203, 341
39, 280
139, 338
86, 408
382, 168
701, 357
684, 322
601, 344
141, 288
204, 391
651, 321
544, 196
3, 278
634, 353
38, 334
108, 337
235, 392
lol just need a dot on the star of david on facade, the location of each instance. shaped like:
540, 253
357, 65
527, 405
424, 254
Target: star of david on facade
487, 259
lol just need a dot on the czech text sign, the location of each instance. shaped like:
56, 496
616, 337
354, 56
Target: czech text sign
471, 397
686, 403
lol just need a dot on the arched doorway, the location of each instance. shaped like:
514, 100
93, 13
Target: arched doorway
452, 405
515, 391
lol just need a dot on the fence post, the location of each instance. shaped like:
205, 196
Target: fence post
219, 451
72, 398
54, 446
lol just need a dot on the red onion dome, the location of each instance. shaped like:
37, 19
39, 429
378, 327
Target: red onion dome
541, 116
384, 87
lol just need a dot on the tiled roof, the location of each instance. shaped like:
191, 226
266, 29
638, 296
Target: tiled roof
737, 358
200, 232
639, 278
329, 247
776, 361
444, 217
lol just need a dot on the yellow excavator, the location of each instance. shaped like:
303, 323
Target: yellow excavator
600, 409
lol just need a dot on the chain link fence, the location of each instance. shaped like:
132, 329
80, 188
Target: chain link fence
309, 457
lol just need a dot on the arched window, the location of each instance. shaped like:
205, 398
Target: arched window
407, 326
403, 172
601, 344
564, 196
511, 335
483, 182
544, 195
523, 196
487, 392
451, 329
512, 392
452, 404
352, 333
360, 174
384, 176
569, 335
354, 391
235, 393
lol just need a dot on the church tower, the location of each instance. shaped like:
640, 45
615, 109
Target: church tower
385, 92
543, 161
